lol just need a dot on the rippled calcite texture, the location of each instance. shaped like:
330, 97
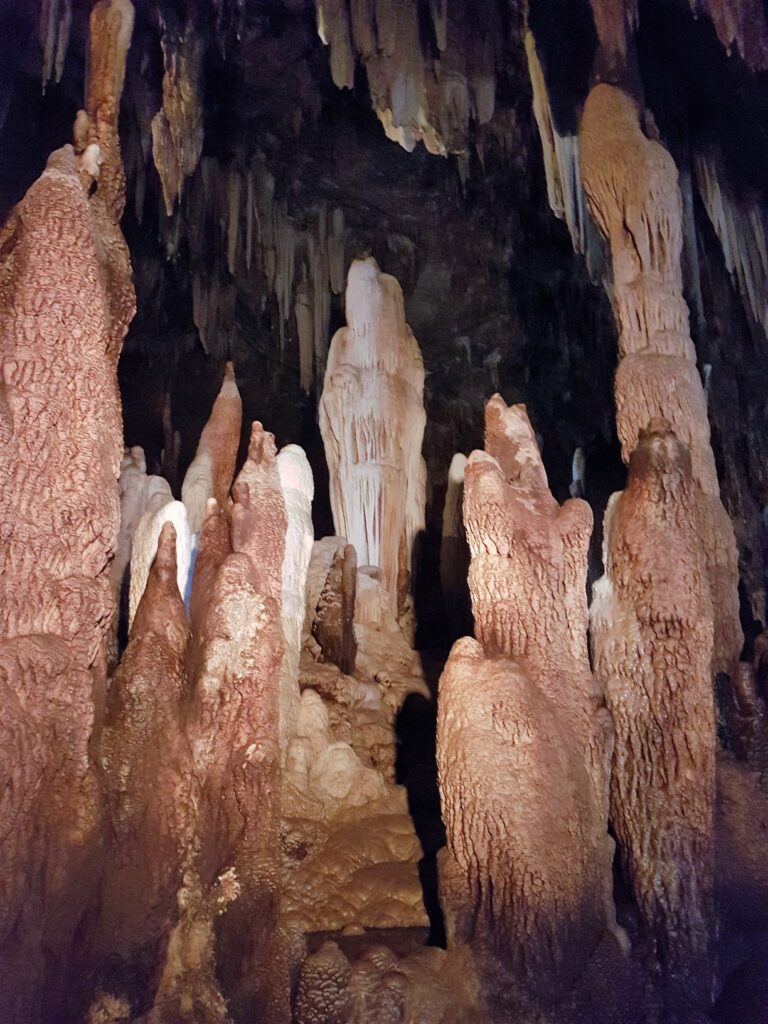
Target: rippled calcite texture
233, 728
149, 785
524, 741
372, 422
652, 638
211, 471
632, 190
334, 624
65, 302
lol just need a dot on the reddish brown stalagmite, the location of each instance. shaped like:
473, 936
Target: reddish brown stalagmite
150, 788
65, 302
652, 635
523, 739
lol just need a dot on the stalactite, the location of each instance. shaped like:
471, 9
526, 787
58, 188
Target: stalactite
739, 23
211, 471
55, 27
631, 185
372, 421
740, 227
565, 191
65, 302
652, 638
177, 128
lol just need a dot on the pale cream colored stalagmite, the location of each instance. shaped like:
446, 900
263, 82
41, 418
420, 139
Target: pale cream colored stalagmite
633, 194
524, 740
66, 299
211, 471
454, 552
652, 637
372, 422
298, 489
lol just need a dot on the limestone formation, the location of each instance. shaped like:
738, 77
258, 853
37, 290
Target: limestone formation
372, 421
633, 194
523, 700
526, 877
65, 302
149, 785
234, 733
454, 552
211, 471
652, 637
334, 624
177, 128
298, 490
144, 546
132, 487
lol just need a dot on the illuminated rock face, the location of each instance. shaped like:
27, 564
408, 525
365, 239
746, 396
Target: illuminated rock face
65, 302
372, 421
632, 190
652, 636
524, 742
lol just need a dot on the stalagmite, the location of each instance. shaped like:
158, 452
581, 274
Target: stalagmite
234, 731
298, 491
150, 788
525, 879
372, 421
132, 487
522, 733
631, 185
454, 553
334, 622
65, 302
652, 637
210, 472
144, 548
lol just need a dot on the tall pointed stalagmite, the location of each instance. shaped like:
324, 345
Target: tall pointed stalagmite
372, 421
234, 731
66, 299
211, 471
524, 742
146, 761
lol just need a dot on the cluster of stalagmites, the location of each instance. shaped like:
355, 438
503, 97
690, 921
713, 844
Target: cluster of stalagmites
171, 834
